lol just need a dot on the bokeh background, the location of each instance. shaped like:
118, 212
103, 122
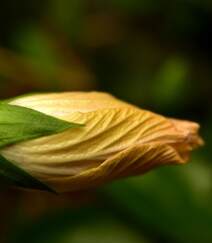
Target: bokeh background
155, 54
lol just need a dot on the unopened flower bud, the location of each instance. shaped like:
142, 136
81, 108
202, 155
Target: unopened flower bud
117, 140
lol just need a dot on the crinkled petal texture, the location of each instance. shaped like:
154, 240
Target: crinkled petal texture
118, 140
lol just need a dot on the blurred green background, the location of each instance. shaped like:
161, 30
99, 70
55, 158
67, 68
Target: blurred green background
155, 54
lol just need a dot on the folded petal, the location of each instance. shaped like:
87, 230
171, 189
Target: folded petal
135, 160
117, 140
192, 140
107, 132
63, 104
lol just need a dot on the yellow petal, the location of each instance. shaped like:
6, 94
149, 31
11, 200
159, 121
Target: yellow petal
62, 104
191, 139
118, 140
135, 160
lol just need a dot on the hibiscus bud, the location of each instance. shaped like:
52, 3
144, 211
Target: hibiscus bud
117, 140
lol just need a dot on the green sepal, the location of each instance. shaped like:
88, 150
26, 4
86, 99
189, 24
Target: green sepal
19, 177
20, 124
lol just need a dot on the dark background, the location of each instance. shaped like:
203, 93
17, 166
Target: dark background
156, 54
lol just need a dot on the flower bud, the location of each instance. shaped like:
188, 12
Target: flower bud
117, 140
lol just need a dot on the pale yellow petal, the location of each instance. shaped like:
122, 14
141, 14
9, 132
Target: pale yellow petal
190, 131
62, 104
118, 140
107, 132
191, 140
135, 160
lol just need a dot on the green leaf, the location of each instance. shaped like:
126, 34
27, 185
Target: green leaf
19, 124
19, 177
